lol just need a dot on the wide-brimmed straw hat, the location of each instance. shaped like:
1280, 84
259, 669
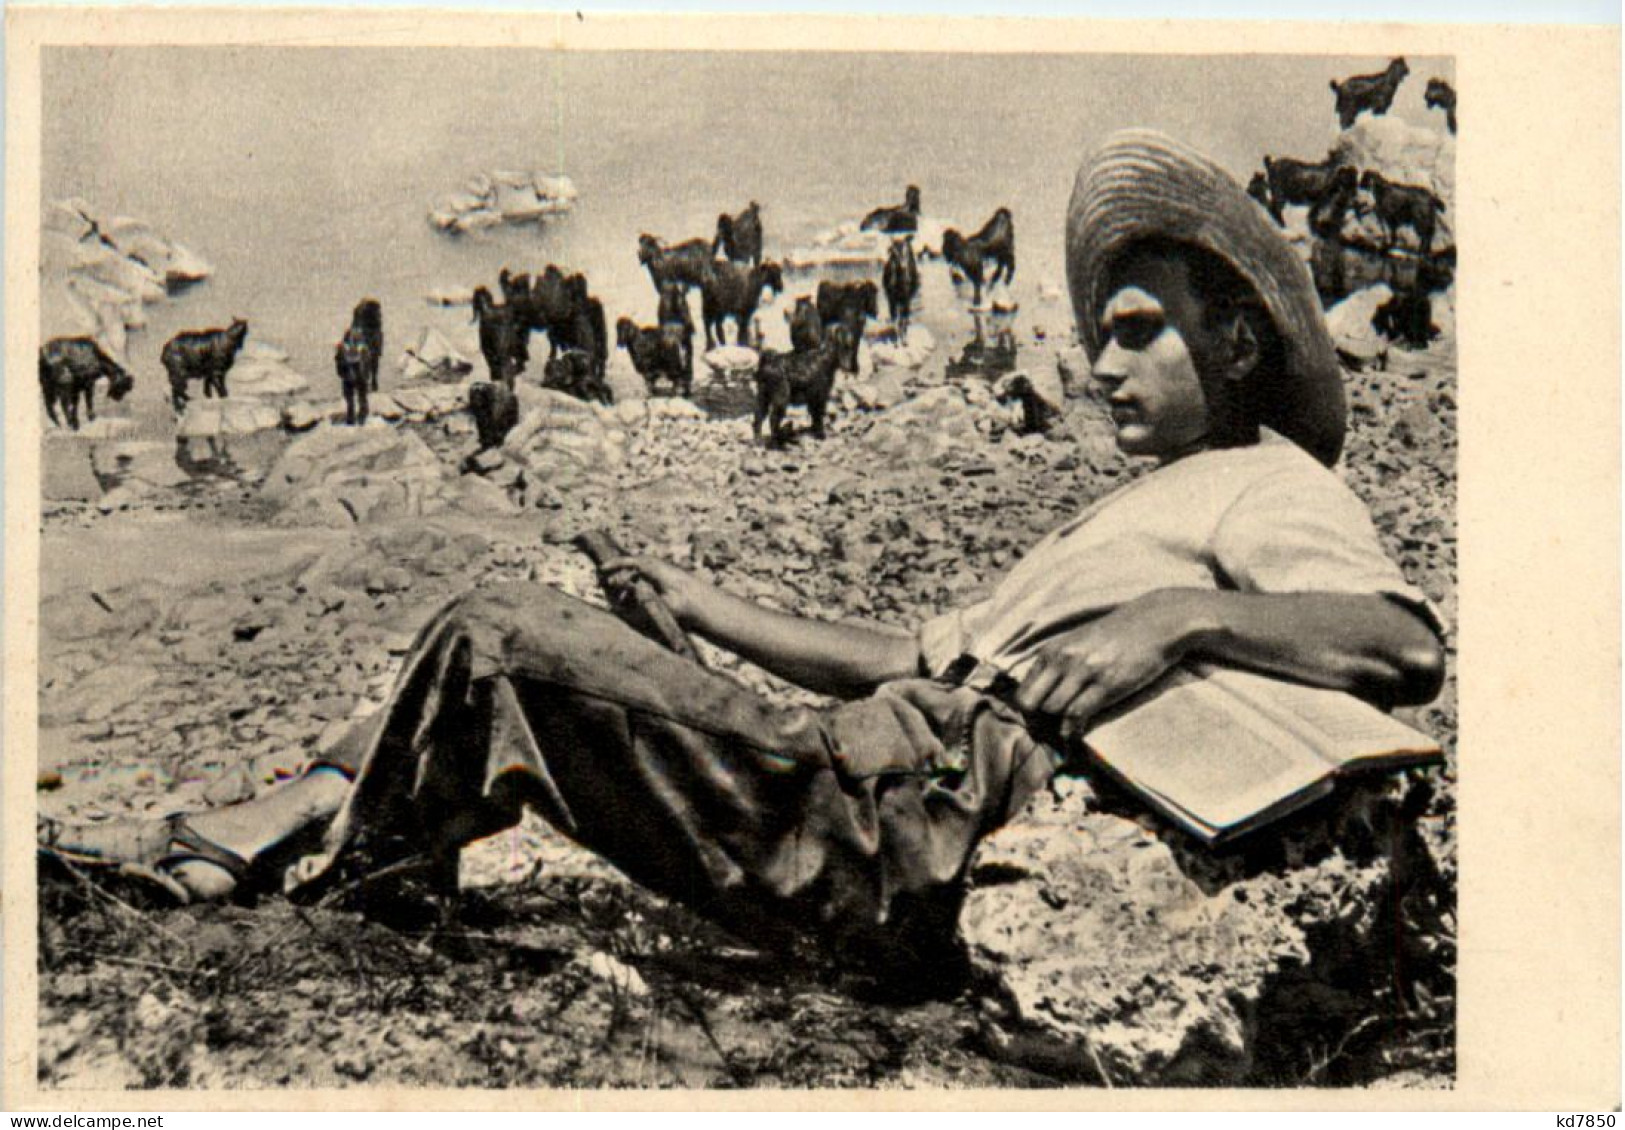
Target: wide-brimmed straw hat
1145, 185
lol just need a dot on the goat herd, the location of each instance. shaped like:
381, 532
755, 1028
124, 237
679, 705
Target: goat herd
730, 274
1331, 188
728, 271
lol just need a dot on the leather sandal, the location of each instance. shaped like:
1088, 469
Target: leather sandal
146, 881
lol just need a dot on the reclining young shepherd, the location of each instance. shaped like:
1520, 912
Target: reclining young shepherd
854, 823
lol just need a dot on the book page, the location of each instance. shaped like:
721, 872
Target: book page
1201, 752
1339, 727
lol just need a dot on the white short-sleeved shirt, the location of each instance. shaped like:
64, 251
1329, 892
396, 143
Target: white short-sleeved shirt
1266, 519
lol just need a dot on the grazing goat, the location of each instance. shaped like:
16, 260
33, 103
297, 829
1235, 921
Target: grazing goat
69, 368
1368, 92
354, 362
849, 303
1441, 95
656, 352
576, 373
740, 237
732, 291
495, 409
1398, 205
896, 218
674, 317
368, 320
504, 341
205, 355
783, 379
901, 281
995, 243
806, 327
1298, 182
685, 263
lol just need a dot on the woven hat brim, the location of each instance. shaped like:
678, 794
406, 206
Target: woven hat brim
1143, 184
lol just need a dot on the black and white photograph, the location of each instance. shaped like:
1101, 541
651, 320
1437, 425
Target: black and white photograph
715, 569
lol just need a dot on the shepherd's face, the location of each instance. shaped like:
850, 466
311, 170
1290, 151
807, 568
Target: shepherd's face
1151, 325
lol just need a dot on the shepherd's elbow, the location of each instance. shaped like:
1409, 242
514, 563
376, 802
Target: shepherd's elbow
1420, 671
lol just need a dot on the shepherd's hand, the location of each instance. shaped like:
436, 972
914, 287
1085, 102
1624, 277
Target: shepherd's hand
1080, 673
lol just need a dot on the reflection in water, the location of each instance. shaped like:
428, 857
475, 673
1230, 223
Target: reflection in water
983, 357
206, 457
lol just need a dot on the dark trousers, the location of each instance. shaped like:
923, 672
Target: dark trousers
852, 824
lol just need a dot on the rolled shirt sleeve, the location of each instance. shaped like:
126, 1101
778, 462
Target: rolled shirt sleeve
1295, 532
945, 638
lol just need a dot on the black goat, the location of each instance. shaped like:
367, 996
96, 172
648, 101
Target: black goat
69, 368
686, 263
896, 218
806, 327
732, 291
205, 355
783, 379
995, 243
674, 317
849, 303
355, 364
1297, 182
1368, 92
1440, 95
901, 281
740, 237
656, 352
368, 320
504, 338
1403, 205
576, 374
495, 409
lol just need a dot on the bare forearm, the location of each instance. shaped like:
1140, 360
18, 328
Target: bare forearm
1366, 645
842, 659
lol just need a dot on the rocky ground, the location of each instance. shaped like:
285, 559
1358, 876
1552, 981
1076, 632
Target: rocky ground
197, 647
203, 634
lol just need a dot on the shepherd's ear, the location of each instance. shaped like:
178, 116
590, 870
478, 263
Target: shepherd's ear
1242, 344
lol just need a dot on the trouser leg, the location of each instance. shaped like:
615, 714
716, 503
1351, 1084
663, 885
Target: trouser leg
853, 825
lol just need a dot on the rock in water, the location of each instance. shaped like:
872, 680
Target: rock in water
227, 417
265, 376
503, 196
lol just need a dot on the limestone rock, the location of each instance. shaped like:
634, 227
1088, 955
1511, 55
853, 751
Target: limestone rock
265, 376
503, 196
434, 357
882, 390
228, 417
340, 476
1118, 955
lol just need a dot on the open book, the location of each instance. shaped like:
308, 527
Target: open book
1222, 752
